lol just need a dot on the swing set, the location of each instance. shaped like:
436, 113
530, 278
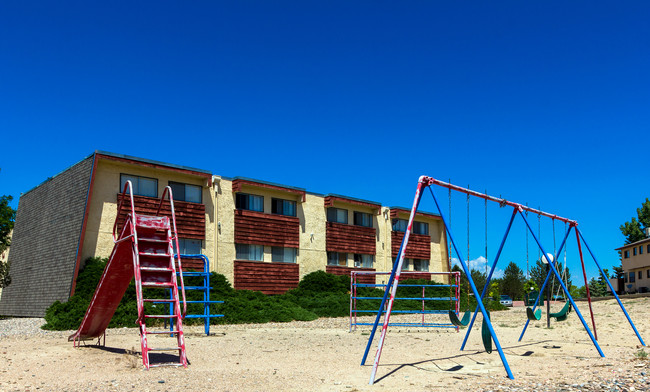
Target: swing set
533, 314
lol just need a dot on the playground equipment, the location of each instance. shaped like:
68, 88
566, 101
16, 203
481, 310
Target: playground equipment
517, 209
363, 279
204, 287
144, 250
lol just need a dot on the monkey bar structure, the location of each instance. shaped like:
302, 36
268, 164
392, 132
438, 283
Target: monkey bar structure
517, 209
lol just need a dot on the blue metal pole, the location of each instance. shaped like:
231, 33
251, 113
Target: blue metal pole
566, 291
206, 294
611, 288
539, 295
390, 282
487, 283
486, 319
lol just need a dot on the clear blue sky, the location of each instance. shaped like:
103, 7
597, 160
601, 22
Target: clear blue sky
540, 102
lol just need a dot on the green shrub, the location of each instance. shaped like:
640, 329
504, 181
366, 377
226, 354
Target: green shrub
319, 294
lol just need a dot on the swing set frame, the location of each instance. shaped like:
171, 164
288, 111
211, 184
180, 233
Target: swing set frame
517, 209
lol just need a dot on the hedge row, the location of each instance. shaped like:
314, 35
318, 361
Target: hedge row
319, 294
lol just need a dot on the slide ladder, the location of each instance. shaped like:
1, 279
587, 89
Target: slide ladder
144, 251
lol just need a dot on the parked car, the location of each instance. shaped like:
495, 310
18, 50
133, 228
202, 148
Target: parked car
506, 300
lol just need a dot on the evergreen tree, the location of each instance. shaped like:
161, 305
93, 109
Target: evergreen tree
512, 283
634, 229
7, 219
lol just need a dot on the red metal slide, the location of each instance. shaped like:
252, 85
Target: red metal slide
144, 251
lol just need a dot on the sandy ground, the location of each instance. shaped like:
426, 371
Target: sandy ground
323, 356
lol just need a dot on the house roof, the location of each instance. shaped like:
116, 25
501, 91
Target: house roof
643, 241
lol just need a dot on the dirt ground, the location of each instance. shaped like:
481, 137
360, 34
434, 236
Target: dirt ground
323, 356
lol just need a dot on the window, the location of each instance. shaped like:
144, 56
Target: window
283, 255
400, 225
189, 246
142, 186
631, 278
249, 252
405, 264
420, 265
641, 249
626, 254
244, 201
337, 258
420, 228
640, 275
283, 207
337, 215
634, 251
362, 219
648, 274
648, 249
186, 192
363, 261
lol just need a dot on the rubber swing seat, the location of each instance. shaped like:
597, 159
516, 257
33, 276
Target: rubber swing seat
486, 336
456, 321
534, 316
563, 313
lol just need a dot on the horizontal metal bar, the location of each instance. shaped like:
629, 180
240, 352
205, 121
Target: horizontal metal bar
425, 325
404, 285
405, 311
432, 181
203, 315
414, 299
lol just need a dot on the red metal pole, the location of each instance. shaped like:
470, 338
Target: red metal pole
584, 274
502, 202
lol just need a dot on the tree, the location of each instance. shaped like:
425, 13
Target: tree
618, 272
538, 274
7, 219
633, 230
512, 282
598, 287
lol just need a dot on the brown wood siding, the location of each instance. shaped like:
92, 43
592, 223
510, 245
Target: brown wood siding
350, 239
252, 227
419, 246
191, 265
340, 270
269, 278
190, 217
411, 275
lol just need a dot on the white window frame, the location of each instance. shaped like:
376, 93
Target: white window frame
183, 197
249, 252
337, 215
135, 182
283, 255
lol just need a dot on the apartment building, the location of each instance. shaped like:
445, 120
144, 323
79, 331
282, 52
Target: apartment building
260, 235
636, 266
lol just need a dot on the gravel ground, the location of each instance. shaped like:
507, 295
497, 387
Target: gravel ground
323, 356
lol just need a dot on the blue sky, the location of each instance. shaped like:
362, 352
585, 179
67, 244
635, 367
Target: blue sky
540, 102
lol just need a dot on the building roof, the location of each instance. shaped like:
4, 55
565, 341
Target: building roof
643, 241
152, 162
408, 211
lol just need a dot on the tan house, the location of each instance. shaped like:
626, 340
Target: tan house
260, 235
636, 266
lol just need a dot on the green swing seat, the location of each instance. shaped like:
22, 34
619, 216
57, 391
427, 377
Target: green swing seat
534, 316
563, 313
485, 330
453, 317
486, 336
